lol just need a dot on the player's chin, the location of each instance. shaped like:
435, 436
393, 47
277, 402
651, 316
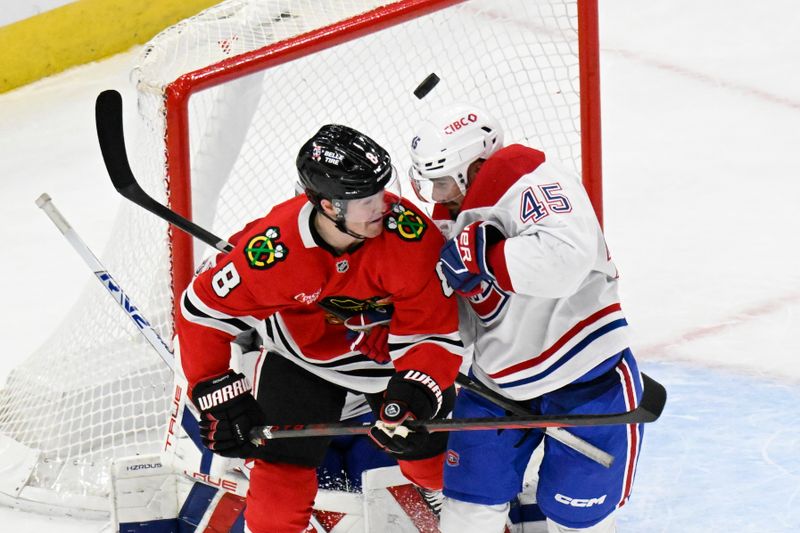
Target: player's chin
372, 229
453, 207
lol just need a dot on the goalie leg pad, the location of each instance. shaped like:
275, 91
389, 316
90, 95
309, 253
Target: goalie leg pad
280, 497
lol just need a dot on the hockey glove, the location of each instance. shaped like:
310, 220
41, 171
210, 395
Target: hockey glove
369, 333
410, 395
228, 411
463, 257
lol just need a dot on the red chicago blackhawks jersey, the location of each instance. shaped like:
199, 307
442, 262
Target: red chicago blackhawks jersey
283, 280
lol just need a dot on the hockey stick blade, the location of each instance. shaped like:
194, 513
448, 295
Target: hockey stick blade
111, 136
650, 407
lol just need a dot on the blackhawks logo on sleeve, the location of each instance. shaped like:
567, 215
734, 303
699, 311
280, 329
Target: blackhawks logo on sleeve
408, 224
264, 250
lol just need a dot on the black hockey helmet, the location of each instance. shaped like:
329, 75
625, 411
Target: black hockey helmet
340, 163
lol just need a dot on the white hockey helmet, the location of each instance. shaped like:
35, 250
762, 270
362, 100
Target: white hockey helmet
447, 142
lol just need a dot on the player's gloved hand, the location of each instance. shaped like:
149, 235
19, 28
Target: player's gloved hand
369, 333
410, 395
228, 411
463, 257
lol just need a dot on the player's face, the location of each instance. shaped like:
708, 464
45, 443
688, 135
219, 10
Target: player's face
364, 216
445, 190
442, 190
449, 193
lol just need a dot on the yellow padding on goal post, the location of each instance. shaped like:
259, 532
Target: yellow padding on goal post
83, 31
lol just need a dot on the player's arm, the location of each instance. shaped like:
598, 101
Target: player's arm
215, 308
423, 333
546, 248
552, 256
426, 365
425, 347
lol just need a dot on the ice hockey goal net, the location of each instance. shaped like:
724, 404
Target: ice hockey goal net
224, 101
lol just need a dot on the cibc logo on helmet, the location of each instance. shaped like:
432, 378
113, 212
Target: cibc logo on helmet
460, 123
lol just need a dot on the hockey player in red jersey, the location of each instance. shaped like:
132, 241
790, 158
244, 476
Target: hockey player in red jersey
347, 251
542, 313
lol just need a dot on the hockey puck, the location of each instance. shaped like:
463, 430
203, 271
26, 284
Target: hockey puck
426, 86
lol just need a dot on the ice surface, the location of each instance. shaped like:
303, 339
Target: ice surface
701, 124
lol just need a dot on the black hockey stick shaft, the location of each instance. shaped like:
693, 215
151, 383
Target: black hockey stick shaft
652, 404
568, 439
111, 135
560, 434
488, 394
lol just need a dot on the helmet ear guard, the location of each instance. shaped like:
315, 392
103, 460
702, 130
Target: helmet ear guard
449, 141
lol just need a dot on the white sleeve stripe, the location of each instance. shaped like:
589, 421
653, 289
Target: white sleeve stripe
452, 337
194, 310
400, 344
215, 313
208, 322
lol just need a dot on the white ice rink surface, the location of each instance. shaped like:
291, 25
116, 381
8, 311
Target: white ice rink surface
701, 128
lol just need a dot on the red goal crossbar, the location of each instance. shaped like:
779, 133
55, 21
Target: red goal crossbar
179, 92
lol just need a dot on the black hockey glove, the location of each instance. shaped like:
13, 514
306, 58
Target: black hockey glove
227, 414
410, 395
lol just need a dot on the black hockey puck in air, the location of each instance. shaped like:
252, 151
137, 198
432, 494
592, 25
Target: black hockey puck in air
426, 86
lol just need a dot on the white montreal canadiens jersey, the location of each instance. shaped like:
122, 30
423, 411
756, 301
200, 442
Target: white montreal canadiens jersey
554, 313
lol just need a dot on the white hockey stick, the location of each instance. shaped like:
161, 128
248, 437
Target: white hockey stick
113, 288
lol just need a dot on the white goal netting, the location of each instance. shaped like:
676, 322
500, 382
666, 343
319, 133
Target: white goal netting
95, 390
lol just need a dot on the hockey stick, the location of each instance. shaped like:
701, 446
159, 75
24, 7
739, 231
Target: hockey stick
649, 409
111, 136
113, 288
562, 435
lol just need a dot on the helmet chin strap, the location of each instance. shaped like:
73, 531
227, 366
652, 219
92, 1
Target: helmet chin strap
340, 225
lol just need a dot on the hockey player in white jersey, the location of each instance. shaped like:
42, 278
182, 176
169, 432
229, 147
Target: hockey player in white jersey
541, 309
